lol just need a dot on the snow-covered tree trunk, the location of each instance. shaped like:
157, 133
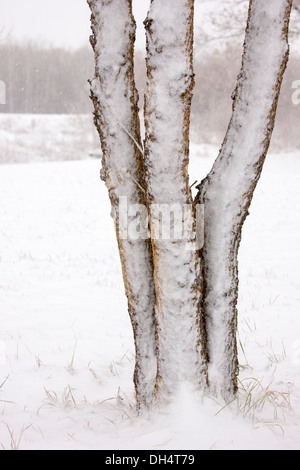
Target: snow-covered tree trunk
182, 301
116, 117
170, 81
228, 189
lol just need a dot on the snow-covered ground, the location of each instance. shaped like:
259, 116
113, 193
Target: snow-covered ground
66, 347
40, 137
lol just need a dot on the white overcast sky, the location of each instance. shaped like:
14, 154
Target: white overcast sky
63, 23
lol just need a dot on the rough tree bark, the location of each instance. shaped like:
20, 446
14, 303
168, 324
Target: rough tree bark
228, 189
170, 81
182, 302
116, 118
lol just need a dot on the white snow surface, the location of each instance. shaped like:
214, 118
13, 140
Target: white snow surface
66, 346
40, 137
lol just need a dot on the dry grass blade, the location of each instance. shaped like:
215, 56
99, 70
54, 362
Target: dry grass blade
14, 442
70, 367
5, 380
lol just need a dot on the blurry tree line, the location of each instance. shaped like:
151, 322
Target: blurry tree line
44, 80
215, 82
55, 81
215, 77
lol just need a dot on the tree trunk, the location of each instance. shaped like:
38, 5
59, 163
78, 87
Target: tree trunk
228, 189
116, 117
170, 81
182, 302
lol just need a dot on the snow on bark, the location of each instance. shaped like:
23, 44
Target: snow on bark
170, 80
116, 117
228, 189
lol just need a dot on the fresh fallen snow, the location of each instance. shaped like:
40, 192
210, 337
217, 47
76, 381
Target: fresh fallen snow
40, 137
66, 347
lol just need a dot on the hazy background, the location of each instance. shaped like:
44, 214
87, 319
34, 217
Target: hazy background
46, 61
57, 23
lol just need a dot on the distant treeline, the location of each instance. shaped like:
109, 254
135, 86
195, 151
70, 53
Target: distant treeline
45, 81
212, 104
55, 81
